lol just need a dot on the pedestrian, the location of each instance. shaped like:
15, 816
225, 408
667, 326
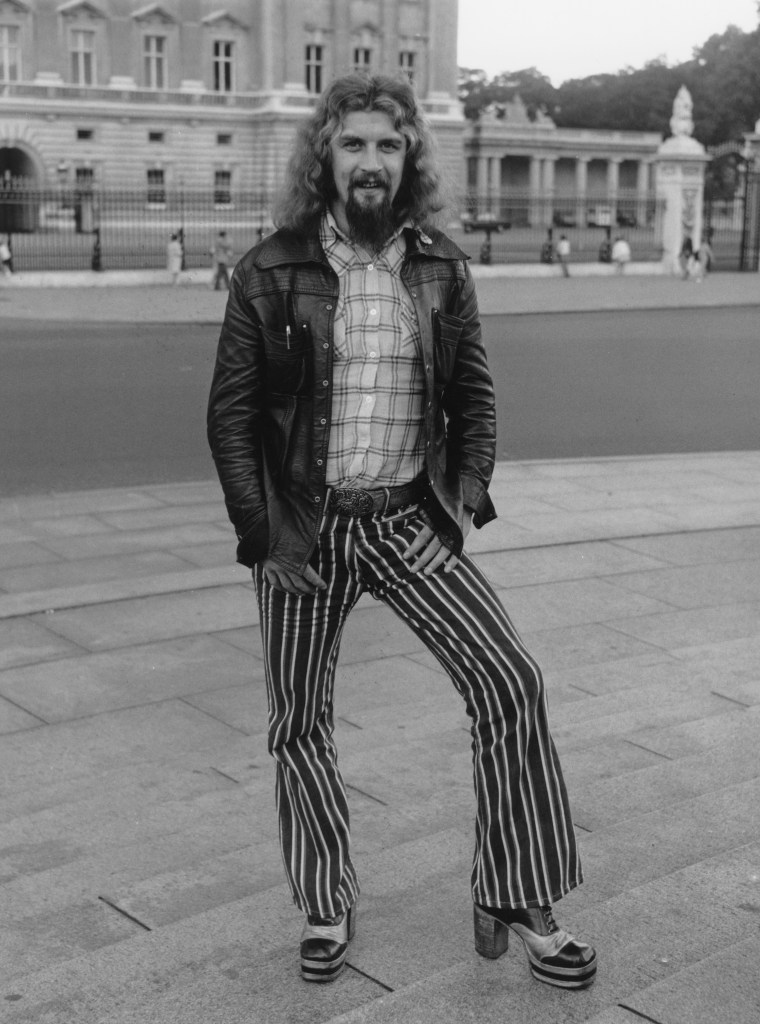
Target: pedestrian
221, 256
621, 254
6, 257
563, 254
704, 259
174, 257
352, 423
687, 259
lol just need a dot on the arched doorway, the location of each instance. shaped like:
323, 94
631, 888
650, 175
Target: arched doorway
19, 211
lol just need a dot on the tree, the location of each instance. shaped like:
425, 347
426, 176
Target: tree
478, 93
723, 77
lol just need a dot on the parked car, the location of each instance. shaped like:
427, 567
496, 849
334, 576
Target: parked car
626, 219
599, 216
563, 219
486, 221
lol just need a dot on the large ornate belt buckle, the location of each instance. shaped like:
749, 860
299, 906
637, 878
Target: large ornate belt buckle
349, 501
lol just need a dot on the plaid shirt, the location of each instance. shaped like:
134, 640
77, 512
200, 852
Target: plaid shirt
376, 437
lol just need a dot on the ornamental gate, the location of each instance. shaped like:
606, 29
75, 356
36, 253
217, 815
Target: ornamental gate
731, 221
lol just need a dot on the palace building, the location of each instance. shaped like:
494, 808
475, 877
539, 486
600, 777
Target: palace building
197, 101
203, 94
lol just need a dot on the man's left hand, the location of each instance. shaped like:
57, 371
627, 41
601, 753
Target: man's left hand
427, 552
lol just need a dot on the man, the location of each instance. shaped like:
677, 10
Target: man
563, 254
352, 423
621, 254
221, 255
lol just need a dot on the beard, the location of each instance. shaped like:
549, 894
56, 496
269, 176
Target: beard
371, 222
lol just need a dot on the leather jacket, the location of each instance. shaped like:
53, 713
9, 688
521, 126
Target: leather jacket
270, 401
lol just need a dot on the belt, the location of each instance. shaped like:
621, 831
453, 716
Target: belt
355, 502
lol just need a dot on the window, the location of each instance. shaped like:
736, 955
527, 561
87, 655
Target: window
85, 134
362, 58
10, 57
154, 61
85, 178
155, 136
82, 57
314, 67
223, 66
406, 63
222, 188
223, 139
156, 187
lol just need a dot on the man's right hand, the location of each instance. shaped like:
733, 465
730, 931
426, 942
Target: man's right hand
292, 582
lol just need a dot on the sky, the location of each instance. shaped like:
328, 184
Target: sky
576, 38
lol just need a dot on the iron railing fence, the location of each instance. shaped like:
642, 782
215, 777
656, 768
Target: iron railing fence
522, 227
108, 229
90, 227
732, 226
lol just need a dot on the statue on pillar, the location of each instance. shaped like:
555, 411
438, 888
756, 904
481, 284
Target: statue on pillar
682, 123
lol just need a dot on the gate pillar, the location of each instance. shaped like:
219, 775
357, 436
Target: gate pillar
750, 256
680, 184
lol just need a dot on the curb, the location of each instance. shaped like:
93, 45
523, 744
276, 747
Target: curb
143, 278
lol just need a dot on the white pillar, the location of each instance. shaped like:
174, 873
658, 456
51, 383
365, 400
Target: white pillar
549, 163
680, 189
495, 176
681, 162
535, 198
482, 177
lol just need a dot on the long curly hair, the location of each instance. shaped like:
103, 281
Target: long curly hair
309, 187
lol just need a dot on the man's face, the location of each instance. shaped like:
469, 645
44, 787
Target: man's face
368, 156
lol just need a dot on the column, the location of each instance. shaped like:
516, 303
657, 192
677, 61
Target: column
613, 185
494, 183
441, 58
535, 197
294, 55
483, 181
389, 57
342, 57
642, 191
581, 188
270, 44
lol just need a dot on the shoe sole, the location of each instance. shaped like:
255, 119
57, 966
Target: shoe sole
322, 971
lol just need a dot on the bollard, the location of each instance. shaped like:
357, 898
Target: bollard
485, 250
96, 263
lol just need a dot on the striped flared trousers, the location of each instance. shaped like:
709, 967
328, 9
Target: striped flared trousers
525, 850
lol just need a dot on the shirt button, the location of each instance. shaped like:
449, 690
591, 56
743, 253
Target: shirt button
368, 398
328, 306
325, 383
370, 266
326, 345
319, 462
317, 499
373, 355
323, 421
373, 312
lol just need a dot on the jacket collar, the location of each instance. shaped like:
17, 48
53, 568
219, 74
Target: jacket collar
288, 247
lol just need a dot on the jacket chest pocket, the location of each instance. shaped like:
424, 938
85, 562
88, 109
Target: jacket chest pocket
287, 354
447, 330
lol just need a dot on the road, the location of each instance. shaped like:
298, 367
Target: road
94, 405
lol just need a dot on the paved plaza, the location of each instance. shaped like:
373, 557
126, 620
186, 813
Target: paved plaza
139, 865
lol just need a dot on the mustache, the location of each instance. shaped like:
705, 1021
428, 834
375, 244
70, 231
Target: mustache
378, 180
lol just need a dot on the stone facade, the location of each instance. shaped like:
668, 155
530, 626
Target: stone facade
205, 94
533, 163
